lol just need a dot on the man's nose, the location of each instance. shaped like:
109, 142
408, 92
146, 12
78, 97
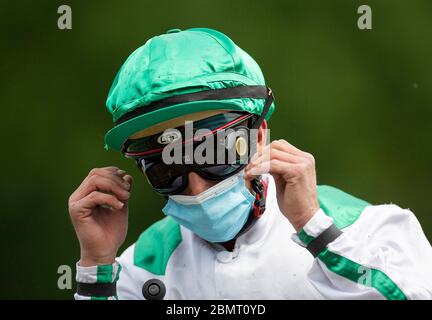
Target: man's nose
197, 184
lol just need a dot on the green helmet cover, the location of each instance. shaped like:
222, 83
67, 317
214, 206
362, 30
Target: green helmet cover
175, 63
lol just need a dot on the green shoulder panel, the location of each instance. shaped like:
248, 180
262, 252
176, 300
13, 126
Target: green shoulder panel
342, 207
156, 244
345, 210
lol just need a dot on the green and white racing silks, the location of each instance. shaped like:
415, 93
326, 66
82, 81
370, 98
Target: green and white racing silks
382, 254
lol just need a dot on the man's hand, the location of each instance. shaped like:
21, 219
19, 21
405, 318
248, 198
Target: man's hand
99, 212
294, 174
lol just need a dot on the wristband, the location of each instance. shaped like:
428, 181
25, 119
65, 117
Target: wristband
96, 289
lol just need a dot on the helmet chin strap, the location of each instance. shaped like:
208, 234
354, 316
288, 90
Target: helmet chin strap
257, 186
259, 204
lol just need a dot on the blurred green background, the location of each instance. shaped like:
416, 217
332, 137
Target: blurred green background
360, 101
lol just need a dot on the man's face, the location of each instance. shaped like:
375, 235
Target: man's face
196, 183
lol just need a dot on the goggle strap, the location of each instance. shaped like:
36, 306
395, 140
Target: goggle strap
256, 92
268, 103
254, 136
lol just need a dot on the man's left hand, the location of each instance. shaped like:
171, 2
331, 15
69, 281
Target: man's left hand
294, 173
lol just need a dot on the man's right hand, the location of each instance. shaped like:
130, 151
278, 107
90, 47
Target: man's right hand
99, 212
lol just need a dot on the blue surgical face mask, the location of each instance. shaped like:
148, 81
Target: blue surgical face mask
218, 213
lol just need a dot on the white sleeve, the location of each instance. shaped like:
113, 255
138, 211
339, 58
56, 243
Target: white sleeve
384, 254
99, 274
128, 281
127, 286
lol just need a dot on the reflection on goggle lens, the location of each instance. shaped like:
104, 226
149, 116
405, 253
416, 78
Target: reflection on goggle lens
172, 179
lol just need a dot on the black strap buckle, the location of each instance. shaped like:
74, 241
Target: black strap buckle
317, 245
258, 187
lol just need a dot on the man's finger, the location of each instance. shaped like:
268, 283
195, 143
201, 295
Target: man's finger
280, 155
273, 167
97, 198
104, 172
282, 144
128, 179
109, 185
275, 154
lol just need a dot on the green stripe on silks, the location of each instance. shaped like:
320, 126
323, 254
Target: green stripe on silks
354, 271
105, 273
156, 244
99, 298
303, 236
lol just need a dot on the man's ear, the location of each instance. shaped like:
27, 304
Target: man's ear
263, 135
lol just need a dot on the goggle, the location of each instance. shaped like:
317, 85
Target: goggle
228, 154
172, 178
